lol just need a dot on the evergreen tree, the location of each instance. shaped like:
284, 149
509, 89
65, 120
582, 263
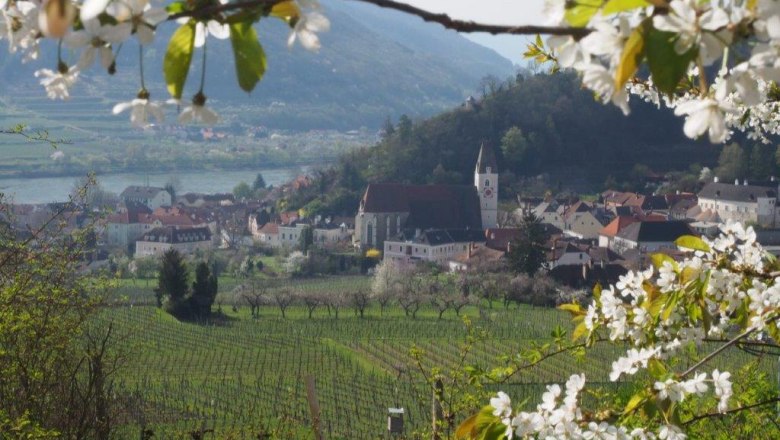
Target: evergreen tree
306, 239
172, 281
762, 164
387, 128
526, 254
732, 163
259, 182
204, 291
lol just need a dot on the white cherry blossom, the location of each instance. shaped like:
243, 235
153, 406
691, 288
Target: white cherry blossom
141, 14
58, 83
695, 29
141, 108
306, 29
705, 115
198, 112
97, 39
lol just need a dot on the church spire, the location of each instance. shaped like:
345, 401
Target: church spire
486, 159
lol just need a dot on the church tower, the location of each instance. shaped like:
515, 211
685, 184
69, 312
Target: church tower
486, 181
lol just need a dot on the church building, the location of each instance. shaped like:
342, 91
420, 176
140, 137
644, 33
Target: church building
406, 213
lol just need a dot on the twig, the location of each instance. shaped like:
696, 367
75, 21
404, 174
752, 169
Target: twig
731, 411
720, 349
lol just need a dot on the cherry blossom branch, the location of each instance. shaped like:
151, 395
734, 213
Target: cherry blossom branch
442, 19
731, 411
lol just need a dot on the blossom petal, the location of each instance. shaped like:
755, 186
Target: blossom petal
92, 8
218, 30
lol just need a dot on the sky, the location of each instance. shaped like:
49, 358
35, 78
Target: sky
509, 12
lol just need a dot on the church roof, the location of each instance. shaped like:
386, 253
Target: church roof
486, 159
429, 206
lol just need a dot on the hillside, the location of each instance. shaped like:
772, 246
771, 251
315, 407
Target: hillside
373, 63
560, 131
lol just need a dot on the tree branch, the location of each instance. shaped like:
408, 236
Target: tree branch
442, 19
720, 349
732, 411
471, 26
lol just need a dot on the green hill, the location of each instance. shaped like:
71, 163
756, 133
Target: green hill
560, 131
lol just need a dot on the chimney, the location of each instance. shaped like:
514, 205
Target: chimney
744, 182
715, 179
736, 182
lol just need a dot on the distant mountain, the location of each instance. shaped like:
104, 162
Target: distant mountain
374, 63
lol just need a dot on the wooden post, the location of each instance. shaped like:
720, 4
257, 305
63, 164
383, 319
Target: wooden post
314, 407
436, 412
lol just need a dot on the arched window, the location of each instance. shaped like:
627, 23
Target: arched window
370, 234
487, 182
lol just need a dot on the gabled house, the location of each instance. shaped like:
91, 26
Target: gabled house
608, 233
150, 196
650, 236
742, 203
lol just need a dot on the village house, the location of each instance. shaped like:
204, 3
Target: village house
649, 236
740, 203
476, 256
434, 245
150, 196
159, 240
579, 221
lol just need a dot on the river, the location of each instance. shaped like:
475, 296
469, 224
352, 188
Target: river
57, 189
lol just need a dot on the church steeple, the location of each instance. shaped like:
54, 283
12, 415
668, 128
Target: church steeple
486, 162
486, 181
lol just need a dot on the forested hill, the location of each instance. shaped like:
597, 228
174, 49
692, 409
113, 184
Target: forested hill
537, 124
373, 63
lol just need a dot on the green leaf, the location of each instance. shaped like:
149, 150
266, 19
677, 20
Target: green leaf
467, 429
635, 401
249, 55
659, 260
692, 242
579, 331
666, 65
176, 64
631, 58
615, 6
579, 12
572, 308
175, 7
656, 368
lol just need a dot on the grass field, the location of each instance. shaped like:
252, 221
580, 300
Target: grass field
248, 375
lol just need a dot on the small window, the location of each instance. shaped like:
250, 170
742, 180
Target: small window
487, 182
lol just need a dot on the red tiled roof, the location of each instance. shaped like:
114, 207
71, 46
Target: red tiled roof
616, 225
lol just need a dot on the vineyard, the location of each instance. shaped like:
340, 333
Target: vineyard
246, 376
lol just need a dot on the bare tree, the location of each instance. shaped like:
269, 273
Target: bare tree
283, 299
254, 295
336, 301
311, 300
359, 300
440, 295
410, 294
